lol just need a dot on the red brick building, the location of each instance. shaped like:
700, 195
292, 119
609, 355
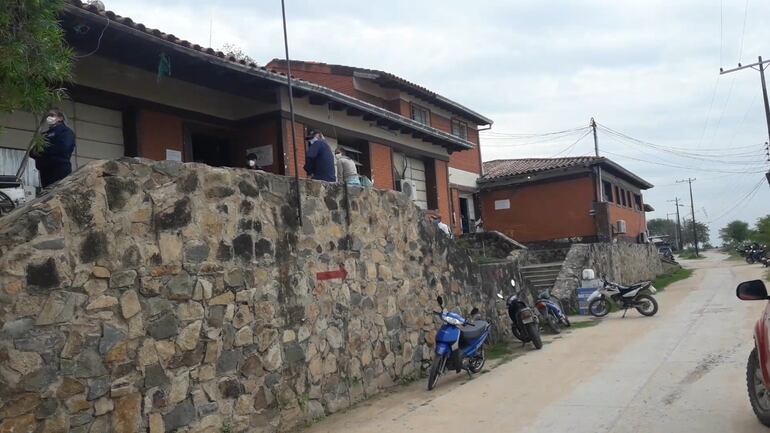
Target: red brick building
142, 92
415, 102
583, 199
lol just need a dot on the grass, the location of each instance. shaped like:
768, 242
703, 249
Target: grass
584, 324
690, 255
502, 351
662, 281
733, 255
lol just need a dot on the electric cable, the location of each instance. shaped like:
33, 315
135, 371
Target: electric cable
98, 41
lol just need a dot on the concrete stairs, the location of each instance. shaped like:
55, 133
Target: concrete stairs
542, 276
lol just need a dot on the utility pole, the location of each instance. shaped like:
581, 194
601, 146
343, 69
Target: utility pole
692, 208
759, 66
678, 224
598, 168
291, 110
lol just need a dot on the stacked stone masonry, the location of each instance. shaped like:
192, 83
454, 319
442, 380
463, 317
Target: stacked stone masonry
157, 297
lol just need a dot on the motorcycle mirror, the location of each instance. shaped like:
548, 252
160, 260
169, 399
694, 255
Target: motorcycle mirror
474, 311
440, 301
513, 283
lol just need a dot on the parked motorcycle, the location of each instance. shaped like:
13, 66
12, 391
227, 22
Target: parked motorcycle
756, 254
551, 310
637, 296
459, 344
526, 324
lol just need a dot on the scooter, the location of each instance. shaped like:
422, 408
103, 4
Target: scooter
637, 296
551, 310
526, 324
459, 344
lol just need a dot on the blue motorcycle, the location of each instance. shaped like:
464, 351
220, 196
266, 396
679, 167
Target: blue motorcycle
459, 344
552, 312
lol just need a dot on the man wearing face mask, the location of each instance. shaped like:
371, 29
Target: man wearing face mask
53, 162
319, 160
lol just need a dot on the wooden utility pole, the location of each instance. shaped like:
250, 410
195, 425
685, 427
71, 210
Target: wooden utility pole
678, 224
759, 66
692, 208
599, 167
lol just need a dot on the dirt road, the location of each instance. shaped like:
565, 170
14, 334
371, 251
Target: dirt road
680, 371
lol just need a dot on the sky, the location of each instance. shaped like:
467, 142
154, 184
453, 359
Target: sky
648, 70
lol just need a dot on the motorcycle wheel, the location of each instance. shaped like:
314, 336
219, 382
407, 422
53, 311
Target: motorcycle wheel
553, 323
759, 396
749, 260
435, 371
534, 334
476, 364
599, 307
566, 321
651, 305
518, 334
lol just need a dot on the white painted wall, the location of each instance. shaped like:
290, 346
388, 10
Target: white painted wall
98, 135
462, 177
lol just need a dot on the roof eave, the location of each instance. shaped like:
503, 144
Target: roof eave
451, 141
641, 183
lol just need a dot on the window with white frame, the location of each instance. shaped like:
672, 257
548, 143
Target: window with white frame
420, 114
460, 129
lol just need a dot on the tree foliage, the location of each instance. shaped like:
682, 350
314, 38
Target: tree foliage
735, 232
701, 229
662, 227
34, 59
237, 52
761, 233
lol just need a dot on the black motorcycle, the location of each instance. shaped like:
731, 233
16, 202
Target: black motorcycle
756, 255
526, 324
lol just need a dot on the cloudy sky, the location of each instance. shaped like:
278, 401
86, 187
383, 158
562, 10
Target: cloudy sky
649, 70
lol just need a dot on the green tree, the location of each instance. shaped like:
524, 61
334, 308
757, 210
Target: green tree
662, 227
235, 51
735, 232
761, 233
34, 59
701, 229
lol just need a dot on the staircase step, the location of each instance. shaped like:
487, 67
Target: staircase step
543, 265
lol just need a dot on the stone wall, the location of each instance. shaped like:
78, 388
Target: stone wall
624, 263
141, 296
491, 244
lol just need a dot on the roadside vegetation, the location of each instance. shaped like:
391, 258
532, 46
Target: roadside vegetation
664, 280
689, 254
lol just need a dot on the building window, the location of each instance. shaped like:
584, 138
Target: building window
460, 129
617, 195
420, 114
630, 202
623, 197
607, 191
638, 202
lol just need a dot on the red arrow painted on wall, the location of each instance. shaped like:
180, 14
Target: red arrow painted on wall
330, 275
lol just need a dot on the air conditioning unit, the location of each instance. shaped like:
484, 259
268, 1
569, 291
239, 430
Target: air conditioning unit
408, 187
620, 227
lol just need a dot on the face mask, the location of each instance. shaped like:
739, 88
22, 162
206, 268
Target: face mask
51, 120
252, 163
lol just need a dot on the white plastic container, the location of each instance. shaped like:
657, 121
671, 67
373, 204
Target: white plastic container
589, 274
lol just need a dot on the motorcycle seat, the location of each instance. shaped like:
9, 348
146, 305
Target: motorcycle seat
626, 289
9, 181
474, 331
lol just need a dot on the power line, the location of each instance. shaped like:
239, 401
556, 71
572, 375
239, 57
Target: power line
572, 146
740, 201
743, 32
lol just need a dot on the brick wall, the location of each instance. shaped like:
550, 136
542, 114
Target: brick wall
635, 220
456, 221
382, 165
440, 122
442, 187
157, 132
299, 137
542, 212
467, 160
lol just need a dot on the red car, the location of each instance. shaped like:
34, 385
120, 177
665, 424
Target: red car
758, 368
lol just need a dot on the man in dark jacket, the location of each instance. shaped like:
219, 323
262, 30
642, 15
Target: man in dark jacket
53, 162
319, 159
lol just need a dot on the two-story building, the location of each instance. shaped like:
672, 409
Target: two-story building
138, 91
573, 199
412, 101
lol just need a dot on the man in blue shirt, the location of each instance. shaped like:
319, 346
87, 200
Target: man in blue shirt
319, 159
